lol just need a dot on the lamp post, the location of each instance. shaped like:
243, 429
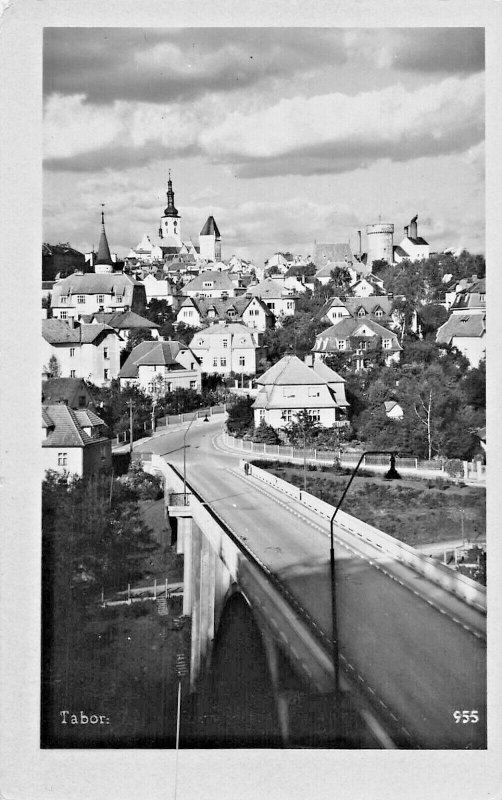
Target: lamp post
391, 474
185, 460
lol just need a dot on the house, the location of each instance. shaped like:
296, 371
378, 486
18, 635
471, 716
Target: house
124, 322
279, 263
71, 392
366, 286
168, 364
74, 441
210, 241
158, 287
224, 348
87, 294
290, 386
465, 328
91, 352
393, 409
412, 247
251, 311
363, 341
210, 283
378, 308
60, 259
273, 294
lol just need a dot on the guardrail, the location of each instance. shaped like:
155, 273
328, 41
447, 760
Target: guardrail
463, 587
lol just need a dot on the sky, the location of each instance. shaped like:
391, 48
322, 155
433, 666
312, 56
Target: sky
287, 136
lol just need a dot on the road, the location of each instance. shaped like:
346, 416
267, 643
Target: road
419, 662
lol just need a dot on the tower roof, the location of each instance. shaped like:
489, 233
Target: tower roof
170, 211
104, 256
210, 228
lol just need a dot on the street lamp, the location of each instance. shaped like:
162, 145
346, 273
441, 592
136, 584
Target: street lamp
391, 474
185, 460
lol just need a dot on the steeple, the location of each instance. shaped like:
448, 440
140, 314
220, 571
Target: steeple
171, 210
104, 258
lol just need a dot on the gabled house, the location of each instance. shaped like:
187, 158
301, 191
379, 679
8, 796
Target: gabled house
366, 286
74, 441
91, 351
224, 348
290, 387
393, 409
210, 283
412, 247
378, 308
71, 392
87, 294
275, 296
251, 311
161, 366
465, 328
159, 287
363, 341
124, 322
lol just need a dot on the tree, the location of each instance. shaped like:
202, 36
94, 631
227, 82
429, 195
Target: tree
181, 401
340, 281
265, 434
302, 429
240, 419
431, 317
53, 368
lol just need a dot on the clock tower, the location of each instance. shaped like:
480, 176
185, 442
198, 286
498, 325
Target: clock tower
170, 222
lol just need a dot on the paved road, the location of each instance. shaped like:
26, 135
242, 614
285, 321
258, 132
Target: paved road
417, 661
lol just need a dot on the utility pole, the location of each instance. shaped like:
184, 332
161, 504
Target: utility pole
130, 425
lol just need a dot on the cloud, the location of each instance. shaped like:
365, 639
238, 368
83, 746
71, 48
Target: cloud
336, 133
107, 64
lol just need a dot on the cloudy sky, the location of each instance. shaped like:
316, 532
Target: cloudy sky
285, 135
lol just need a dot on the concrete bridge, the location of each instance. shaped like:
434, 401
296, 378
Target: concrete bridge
411, 632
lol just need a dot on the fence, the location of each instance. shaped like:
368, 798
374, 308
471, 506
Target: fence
171, 419
474, 472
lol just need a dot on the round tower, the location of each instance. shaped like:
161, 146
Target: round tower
380, 242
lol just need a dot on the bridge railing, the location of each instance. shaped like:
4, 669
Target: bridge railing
179, 499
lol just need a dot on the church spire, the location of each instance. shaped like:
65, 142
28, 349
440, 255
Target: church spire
104, 256
170, 211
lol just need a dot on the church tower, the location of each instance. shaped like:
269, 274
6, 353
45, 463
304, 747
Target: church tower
170, 223
104, 261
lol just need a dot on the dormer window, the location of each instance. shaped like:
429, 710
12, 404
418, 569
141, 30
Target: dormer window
208, 284
361, 312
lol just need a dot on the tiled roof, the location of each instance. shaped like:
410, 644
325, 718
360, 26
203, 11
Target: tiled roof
67, 430
290, 371
370, 304
417, 240
210, 228
57, 331
95, 283
123, 320
328, 374
267, 288
333, 251
58, 390
221, 281
163, 353
398, 251
459, 325
235, 330
348, 327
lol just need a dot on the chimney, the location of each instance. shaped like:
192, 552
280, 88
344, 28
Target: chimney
406, 230
360, 244
413, 227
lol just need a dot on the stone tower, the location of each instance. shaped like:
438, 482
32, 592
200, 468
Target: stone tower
210, 241
170, 223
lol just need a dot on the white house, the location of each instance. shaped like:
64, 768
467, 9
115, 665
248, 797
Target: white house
125, 323
466, 326
86, 294
275, 297
362, 340
210, 283
168, 364
226, 348
251, 311
290, 386
91, 351
412, 247
158, 287
74, 441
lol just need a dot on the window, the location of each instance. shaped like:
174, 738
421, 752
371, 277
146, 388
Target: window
189, 313
207, 284
72, 373
261, 414
105, 374
386, 344
313, 391
225, 342
81, 401
223, 362
200, 342
101, 298
80, 298
168, 386
314, 414
215, 362
242, 361
105, 353
193, 384
72, 352
119, 298
286, 415
63, 315
62, 459
363, 345
192, 365
341, 344
288, 391
379, 312
64, 298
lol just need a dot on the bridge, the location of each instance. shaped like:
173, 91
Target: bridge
411, 632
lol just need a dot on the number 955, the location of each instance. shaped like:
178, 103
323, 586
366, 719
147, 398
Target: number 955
465, 716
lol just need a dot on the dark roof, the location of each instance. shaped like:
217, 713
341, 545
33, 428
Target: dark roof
398, 251
417, 240
121, 320
104, 256
210, 228
326, 340
163, 353
65, 426
57, 331
65, 390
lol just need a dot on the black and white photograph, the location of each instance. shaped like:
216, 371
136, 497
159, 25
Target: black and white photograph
266, 520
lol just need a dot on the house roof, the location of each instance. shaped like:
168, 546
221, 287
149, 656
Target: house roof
333, 251
328, 374
163, 353
290, 371
398, 251
242, 336
66, 426
57, 331
462, 326
390, 405
370, 304
96, 283
210, 228
267, 288
121, 320
221, 282
326, 340
104, 256
222, 306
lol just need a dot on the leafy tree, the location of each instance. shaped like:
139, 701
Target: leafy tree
240, 419
340, 280
53, 368
137, 336
181, 401
303, 428
265, 434
431, 317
